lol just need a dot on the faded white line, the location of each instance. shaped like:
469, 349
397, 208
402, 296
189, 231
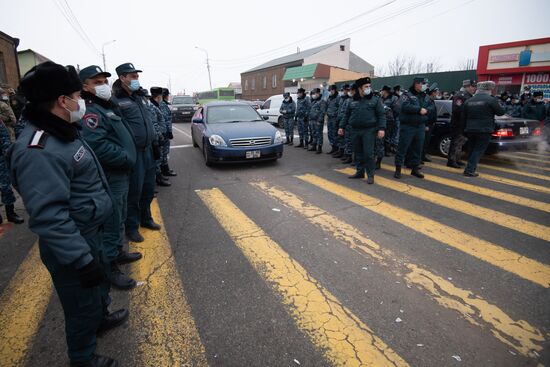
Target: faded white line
181, 146
181, 131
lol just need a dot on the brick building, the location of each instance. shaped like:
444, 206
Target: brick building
9, 65
313, 67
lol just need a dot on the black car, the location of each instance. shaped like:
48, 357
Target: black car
510, 133
183, 108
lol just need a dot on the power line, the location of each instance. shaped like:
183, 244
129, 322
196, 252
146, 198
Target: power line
69, 16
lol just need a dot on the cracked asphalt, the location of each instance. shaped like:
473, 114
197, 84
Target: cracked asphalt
257, 266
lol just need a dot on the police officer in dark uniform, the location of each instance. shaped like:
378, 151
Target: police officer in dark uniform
302, 112
433, 90
165, 149
365, 114
67, 197
161, 130
317, 113
340, 142
479, 119
413, 118
457, 124
333, 105
288, 111
535, 109
132, 106
113, 143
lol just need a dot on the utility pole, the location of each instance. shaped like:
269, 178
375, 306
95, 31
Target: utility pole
207, 65
103, 53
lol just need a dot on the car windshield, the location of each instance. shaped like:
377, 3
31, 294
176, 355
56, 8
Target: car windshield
183, 100
236, 113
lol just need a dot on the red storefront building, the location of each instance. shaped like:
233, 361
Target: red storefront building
514, 65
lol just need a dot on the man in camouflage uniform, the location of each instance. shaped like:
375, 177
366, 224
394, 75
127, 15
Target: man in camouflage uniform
340, 139
317, 119
160, 131
8, 198
333, 105
302, 112
457, 124
165, 149
6, 113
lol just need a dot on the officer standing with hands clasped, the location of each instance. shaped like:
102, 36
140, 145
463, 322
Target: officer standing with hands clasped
165, 149
479, 121
317, 112
457, 123
413, 118
366, 116
113, 143
333, 104
288, 110
302, 112
67, 197
133, 109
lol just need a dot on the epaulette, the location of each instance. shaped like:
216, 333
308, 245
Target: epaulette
38, 139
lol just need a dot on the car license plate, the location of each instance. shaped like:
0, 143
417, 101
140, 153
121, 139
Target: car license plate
253, 154
186, 113
524, 130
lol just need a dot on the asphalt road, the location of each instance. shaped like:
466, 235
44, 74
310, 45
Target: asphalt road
293, 264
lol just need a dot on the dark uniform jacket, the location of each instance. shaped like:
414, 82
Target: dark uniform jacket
432, 112
391, 108
108, 135
62, 185
457, 123
342, 107
534, 110
133, 109
479, 113
302, 107
167, 113
411, 103
364, 112
288, 109
333, 104
317, 110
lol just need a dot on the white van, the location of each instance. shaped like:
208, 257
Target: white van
271, 108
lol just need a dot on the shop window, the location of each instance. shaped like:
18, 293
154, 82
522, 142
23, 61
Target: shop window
274, 81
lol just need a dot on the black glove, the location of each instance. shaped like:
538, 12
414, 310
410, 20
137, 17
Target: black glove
170, 135
90, 275
156, 152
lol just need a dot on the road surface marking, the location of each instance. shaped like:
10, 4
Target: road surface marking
23, 305
516, 164
182, 131
531, 154
507, 170
160, 316
511, 198
502, 219
502, 180
510, 261
514, 157
518, 334
181, 146
343, 338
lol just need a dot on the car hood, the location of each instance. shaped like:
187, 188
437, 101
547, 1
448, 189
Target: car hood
232, 130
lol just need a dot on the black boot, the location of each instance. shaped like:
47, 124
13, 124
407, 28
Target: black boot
12, 216
358, 174
150, 224
348, 159
292, 139
119, 280
124, 257
416, 172
166, 171
452, 164
134, 237
112, 320
397, 173
287, 141
313, 148
378, 163
338, 154
334, 149
161, 181
97, 361
319, 149
301, 145
426, 158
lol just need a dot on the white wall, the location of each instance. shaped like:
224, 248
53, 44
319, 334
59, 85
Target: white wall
332, 56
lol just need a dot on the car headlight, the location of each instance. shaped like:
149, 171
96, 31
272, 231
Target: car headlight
278, 138
217, 141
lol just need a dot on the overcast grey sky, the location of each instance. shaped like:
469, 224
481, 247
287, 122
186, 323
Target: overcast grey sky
160, 36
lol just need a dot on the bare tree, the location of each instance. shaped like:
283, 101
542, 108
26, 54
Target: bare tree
466, 64
397, 66
412, 66
432, 66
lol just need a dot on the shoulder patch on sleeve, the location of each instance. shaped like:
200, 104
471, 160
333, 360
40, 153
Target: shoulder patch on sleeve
38, 139
459, 102
91, 120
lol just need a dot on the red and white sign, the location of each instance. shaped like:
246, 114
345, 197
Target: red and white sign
541, 78
510, 79
504, 58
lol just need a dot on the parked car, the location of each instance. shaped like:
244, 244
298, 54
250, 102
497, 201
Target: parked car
254, 104
510, 133
271, 107
183, 108
234, 132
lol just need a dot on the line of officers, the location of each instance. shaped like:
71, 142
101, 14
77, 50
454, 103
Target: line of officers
368, 126
85, 163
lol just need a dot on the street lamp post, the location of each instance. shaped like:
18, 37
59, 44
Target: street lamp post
207, 65
103, 53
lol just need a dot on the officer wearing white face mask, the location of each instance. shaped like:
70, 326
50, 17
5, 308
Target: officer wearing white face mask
112, 141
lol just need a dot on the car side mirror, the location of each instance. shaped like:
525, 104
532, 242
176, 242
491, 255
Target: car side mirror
198, 120
266, 117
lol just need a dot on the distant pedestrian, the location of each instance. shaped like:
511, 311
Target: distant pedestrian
479, 119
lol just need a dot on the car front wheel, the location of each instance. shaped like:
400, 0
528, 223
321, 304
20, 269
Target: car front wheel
280, 122
206, 154
443, 145
193, 139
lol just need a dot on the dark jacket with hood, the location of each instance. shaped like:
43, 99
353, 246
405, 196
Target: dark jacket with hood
288, 109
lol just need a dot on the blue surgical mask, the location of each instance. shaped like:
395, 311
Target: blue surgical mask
134, 85
424, 87
367, 91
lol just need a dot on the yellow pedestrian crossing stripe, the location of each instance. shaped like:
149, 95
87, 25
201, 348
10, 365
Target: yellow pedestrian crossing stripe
159, 313
517, 334
22, 307
517, 165
333, 328
498, 179
514, 157
510, 261
542, 155
511, 198
508, 170
502, 219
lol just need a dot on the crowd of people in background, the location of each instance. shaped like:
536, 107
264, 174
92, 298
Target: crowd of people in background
366, 125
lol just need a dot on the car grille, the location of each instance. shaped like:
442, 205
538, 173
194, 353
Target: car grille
251, 142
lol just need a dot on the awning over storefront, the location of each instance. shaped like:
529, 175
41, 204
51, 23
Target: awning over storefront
311, 71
